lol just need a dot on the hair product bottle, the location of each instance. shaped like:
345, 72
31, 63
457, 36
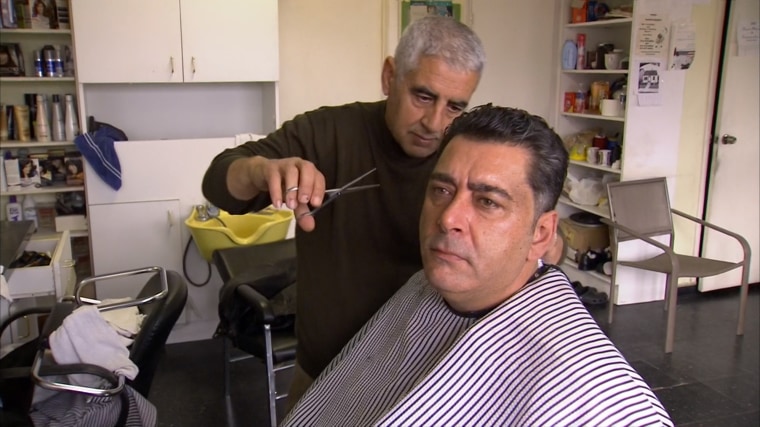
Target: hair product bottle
42, 128
57, 126
30, 210
14, 209
72, 123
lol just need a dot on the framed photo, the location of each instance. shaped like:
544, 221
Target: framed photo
398, 14
11, 60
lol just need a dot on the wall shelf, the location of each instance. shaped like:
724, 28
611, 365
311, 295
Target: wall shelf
42, 190
602, 211
36, 79
595, 117
36, 144
593, 166
604, 23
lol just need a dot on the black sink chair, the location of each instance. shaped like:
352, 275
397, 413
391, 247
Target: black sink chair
257, 310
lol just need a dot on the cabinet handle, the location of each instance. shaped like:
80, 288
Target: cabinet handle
192, 63
171, 61
170, 218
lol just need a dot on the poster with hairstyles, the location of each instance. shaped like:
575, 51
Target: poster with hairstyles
417, 9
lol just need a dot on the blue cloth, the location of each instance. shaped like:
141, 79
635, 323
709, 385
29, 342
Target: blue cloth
98, 149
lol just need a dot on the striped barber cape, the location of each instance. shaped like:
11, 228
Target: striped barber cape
538, 359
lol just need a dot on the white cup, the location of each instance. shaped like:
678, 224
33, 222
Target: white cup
612, 59
610, 107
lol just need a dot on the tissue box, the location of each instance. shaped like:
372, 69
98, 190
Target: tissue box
70, 222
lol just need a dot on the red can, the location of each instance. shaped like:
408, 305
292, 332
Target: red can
569, 102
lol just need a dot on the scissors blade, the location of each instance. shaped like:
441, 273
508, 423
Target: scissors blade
352, 189
334, 193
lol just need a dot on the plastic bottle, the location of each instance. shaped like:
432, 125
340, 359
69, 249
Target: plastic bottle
30, 210
58, 132
580, 100
42, 128
71, 123
581, 42
14, 209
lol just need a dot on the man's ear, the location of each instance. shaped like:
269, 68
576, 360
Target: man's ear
544, 235
386, 77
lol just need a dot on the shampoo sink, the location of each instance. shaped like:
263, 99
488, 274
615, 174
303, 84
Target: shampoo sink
225, 230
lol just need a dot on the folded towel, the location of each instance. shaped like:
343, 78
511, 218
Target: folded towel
125, 321
86, 337
97, 147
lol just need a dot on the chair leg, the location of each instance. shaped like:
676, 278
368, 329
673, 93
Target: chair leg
226, 352
671, 297
743, 292
270, 376
613, 294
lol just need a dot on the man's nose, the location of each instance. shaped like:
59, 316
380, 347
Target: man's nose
454, 216
435, 119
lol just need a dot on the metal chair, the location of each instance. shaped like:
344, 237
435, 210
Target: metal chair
257, 310
640, 209
160, 300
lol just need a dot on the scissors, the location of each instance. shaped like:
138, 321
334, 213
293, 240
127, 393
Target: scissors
332, 194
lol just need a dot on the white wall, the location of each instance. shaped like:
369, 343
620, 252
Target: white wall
331, 53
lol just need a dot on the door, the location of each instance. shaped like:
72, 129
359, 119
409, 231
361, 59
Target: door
126, 236
135, 41
230, 41
733, 199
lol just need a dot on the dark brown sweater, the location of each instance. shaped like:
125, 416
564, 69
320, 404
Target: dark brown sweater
365, 245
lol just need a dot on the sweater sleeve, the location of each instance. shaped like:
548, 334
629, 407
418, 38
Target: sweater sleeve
296, 138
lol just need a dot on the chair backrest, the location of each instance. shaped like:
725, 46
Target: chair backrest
642, 205
160, 317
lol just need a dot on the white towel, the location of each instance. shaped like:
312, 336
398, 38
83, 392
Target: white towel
126, 321
86, 337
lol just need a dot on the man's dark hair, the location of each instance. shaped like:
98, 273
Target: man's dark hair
518, 128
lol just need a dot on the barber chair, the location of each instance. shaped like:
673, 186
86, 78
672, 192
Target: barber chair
161, 300
257, 310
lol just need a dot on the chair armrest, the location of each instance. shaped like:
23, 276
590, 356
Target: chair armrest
21, 313
39, 373
665, 248
742, 241
257, 302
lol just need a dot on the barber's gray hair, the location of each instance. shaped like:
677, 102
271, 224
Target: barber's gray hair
442, 37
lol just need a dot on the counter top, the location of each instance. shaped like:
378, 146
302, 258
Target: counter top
13, 235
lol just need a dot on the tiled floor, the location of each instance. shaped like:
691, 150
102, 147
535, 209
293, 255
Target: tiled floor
712, 378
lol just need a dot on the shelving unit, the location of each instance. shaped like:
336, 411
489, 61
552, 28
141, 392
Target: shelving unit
617, 31
13, 90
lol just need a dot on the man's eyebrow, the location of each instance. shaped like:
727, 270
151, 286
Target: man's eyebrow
488, 188
473, 186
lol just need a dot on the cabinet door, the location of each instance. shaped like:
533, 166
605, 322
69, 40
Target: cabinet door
135, 41
230, 41
134, 235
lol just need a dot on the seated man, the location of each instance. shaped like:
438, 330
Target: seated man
486, 334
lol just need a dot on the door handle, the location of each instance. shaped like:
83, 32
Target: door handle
728, 139
170, 219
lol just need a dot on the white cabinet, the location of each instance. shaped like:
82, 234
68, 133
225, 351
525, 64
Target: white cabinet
134, 235
160, 41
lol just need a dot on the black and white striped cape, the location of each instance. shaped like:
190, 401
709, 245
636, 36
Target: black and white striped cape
538, 359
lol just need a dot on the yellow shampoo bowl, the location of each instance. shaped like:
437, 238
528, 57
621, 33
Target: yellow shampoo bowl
226, 230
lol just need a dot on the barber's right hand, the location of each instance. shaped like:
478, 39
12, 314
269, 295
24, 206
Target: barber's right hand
293, 181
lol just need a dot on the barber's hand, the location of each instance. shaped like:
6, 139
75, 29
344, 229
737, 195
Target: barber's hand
293, 181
